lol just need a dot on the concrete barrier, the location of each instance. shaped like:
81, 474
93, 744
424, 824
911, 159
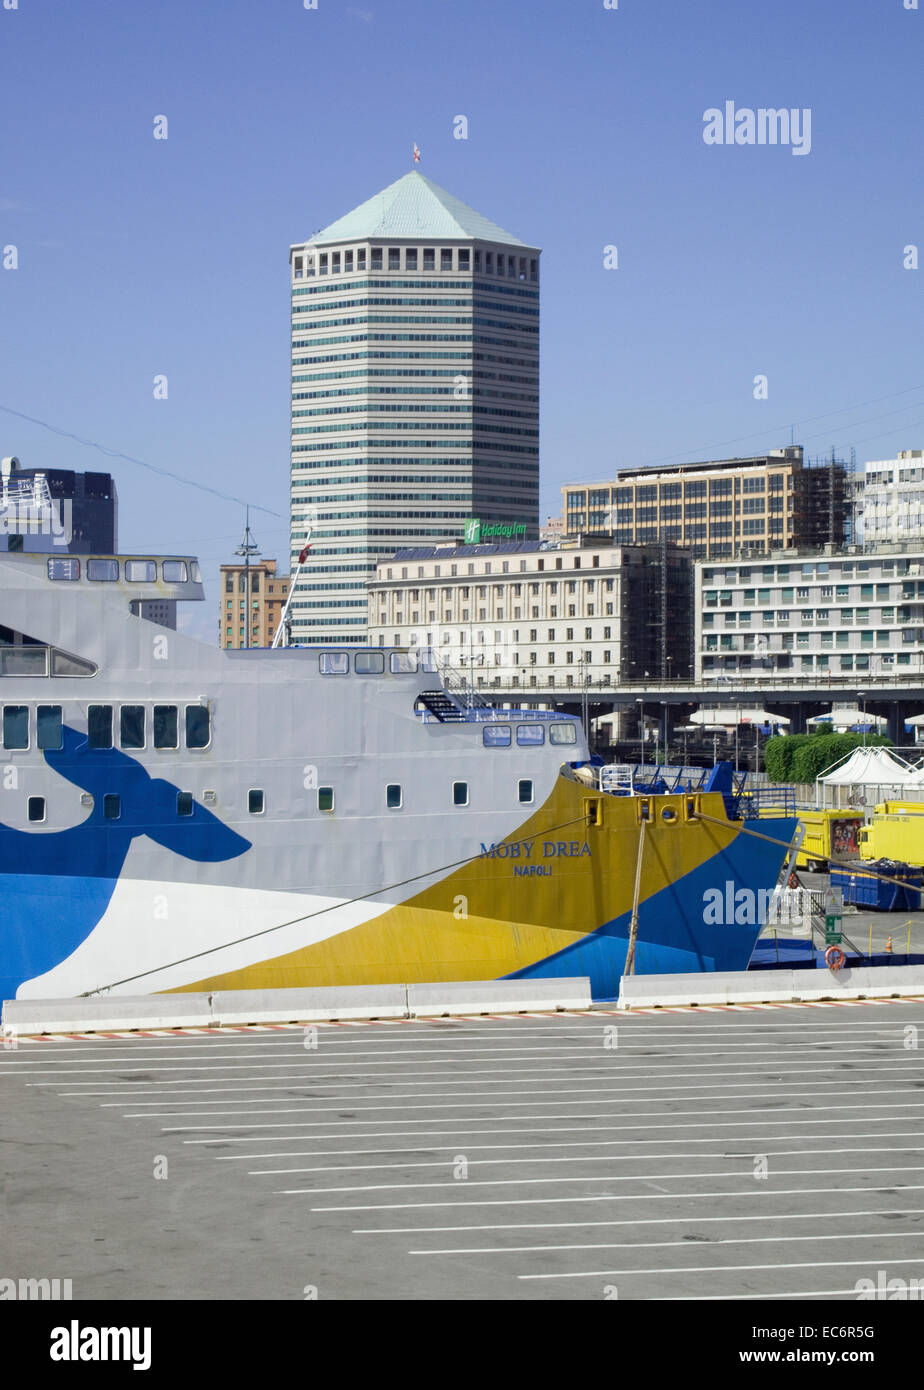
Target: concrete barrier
859, 982
497, 996
123, 1012
769, 986
105, 1013
305, 1005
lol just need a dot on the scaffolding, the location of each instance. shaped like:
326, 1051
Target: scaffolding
824, 502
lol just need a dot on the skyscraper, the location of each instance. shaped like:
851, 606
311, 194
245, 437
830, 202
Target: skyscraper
415, 391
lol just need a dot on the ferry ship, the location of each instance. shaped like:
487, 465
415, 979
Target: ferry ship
176, 817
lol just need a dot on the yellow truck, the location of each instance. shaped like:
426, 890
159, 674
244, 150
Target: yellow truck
826, 833
896, 831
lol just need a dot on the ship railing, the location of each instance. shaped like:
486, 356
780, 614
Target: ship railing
652, 779
801, 909
760, 800
460, 686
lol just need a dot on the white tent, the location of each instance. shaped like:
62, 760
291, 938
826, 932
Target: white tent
728, 718
874, 774
845, 719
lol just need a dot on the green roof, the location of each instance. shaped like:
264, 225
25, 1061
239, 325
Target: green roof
410, 208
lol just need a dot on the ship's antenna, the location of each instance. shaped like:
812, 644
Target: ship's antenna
247, 548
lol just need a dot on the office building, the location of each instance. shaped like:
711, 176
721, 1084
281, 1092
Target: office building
746, 506
415, 391
891, 504
56, 510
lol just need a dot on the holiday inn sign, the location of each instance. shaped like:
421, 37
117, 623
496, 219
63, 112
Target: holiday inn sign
477, 530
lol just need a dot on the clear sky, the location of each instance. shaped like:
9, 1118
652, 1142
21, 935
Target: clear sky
140, 257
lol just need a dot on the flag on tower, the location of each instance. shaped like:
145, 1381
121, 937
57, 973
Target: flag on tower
303, 554
416, 155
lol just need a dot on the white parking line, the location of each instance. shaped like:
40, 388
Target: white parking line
608, 1177
307, 1077
575, 1158
884, 1236
263, 1094
760, 1194
712, 1269
486, 1119
505, 1100
625, 1221
823, 1139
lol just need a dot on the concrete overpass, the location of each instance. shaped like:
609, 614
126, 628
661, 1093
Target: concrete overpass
796, 697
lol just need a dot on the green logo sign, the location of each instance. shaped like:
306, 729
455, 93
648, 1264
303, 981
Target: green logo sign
477, 530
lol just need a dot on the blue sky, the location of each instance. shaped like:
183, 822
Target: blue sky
139, 257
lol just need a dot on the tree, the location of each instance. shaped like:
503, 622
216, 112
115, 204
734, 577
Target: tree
803, 757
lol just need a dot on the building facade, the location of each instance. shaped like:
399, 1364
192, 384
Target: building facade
415, 391
718, 509
891, 504
57, 510
252, 600
514, 616
855, 612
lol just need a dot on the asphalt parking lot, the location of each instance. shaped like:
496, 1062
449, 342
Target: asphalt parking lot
740, 1153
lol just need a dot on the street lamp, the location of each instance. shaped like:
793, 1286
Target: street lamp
861, 695
641, 728
737, 730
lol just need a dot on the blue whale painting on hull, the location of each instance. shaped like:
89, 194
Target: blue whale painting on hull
56, 885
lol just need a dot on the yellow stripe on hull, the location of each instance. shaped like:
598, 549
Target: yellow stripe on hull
484, 920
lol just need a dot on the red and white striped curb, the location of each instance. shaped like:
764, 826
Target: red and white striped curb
464, 1018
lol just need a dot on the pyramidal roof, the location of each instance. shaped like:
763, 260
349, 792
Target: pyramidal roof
414, 207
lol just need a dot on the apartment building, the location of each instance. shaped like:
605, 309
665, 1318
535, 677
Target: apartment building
853, 611
252, 600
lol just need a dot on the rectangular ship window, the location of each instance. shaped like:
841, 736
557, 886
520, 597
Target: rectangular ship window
49, 731
184, 803
64, 567
256, 802
369, 663
325, 798
131, 726
112, 806
103, 571
403, 663
393, 798
198, 726
334, 663
36, 808
562, 733
526, 790
99, 726
496, 736
460, 793
530, 735
141, 571
166, 726
15, 726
